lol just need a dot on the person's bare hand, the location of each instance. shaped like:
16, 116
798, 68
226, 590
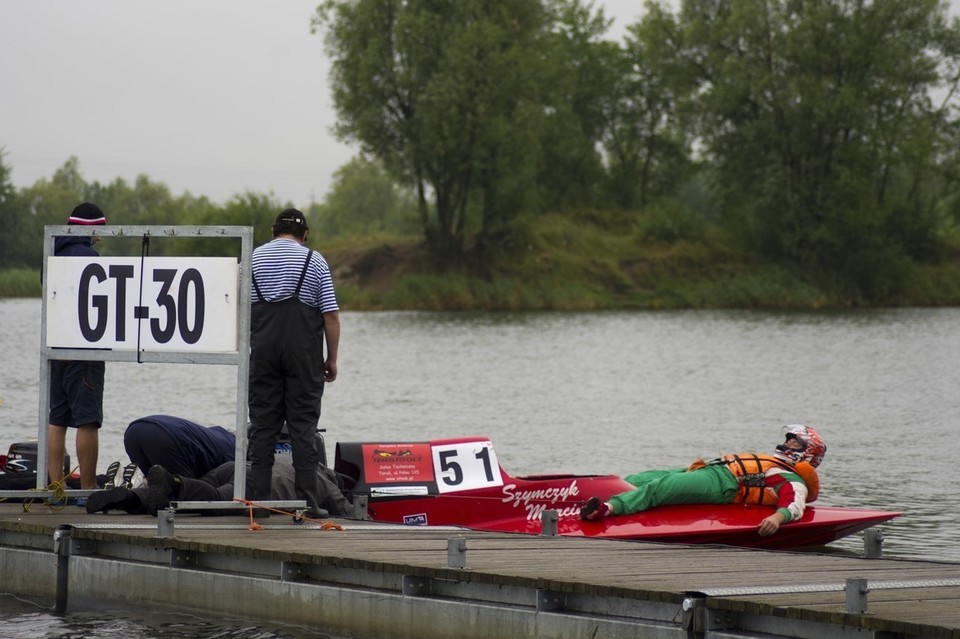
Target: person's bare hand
770, 524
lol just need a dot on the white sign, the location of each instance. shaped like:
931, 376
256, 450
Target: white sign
466, 466
147, 304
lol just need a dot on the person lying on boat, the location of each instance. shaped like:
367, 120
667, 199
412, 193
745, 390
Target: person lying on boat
163, 487
787, 479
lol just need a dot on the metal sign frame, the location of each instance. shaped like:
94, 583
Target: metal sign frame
240, 358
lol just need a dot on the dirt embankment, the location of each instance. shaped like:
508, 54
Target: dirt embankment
376, 269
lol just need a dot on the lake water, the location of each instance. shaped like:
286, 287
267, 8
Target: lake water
21, 618
609, 392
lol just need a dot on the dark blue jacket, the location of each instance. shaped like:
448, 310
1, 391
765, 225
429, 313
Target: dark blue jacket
202, 448
73, 246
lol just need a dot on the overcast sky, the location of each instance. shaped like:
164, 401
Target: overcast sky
215, 97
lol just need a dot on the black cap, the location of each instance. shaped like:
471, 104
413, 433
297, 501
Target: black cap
291, 217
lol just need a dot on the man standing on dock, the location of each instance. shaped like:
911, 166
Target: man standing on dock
76, 388
294, 311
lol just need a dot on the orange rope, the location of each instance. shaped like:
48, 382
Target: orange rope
324, 524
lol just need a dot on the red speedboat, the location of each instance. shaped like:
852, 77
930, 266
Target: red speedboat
458, 482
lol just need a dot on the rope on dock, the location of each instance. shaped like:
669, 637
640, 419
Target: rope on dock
58, 501
298, 516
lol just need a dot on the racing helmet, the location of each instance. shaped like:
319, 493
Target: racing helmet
813, 446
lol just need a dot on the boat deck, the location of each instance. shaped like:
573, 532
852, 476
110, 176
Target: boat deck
429, 582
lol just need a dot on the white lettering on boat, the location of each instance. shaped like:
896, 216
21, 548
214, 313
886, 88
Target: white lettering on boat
535, 511
536, 501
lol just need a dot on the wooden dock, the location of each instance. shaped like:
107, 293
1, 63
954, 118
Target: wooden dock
384, 581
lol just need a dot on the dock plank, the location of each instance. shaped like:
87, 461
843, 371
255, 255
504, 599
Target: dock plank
638, 570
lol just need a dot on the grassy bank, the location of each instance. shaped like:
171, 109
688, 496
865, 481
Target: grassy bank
20, 282
585, 264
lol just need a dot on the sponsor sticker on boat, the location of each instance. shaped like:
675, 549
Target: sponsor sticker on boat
397, 463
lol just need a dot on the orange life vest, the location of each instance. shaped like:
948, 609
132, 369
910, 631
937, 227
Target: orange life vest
750, 469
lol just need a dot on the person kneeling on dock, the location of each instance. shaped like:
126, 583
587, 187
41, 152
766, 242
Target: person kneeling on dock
787, 479
181, 446
217, 485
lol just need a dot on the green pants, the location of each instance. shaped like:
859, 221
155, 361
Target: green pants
707, 485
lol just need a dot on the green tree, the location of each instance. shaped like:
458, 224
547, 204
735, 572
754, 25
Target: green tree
364, 200
48, 201
581, 75
245, 209
818, 119
51, 200
446, 95
144, 202
647, 134
11, 221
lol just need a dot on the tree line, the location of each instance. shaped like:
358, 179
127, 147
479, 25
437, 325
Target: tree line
362, 200
820, 135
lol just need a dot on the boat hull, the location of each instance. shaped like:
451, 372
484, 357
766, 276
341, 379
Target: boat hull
457, 482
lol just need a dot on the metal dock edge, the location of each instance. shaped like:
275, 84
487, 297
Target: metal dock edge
385, 582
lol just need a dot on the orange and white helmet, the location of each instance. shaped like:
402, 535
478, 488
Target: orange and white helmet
813, 446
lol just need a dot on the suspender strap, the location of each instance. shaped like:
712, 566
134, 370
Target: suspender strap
744, 473
303, 273
296, 293
784, 465
256, 287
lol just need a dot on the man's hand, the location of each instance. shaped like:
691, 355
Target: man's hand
771, 524
331, 332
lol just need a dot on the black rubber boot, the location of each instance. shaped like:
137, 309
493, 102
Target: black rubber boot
116, 498
258, 483
258, 488
164, 487
308, 489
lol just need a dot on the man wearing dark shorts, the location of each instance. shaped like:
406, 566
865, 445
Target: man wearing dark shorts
76, 387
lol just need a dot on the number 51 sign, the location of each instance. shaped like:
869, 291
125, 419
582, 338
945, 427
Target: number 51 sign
148, 304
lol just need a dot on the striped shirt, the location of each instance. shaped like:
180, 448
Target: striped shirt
276, 270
